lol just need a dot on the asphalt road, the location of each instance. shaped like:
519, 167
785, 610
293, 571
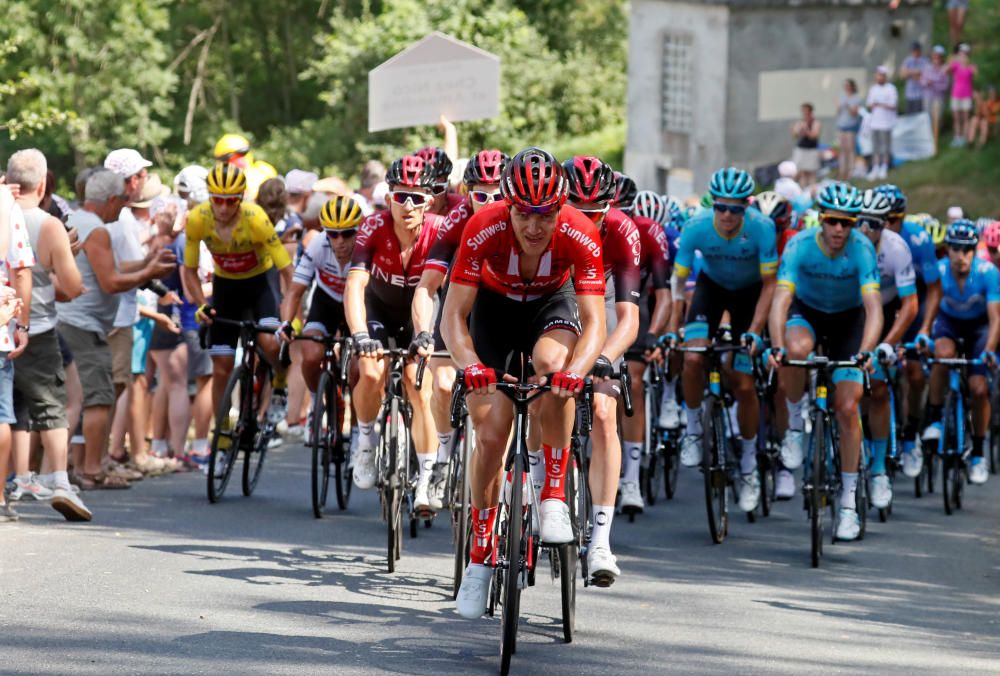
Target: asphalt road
162, 582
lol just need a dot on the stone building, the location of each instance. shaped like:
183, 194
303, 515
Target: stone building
717, 82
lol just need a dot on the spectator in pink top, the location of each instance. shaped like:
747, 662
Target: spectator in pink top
962, 71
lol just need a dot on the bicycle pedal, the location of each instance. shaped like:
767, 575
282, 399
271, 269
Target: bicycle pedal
602, 579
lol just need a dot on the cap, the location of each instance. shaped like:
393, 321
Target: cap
379, 193
126, 162
299, 182
964, 47
916, 46
955, 213
882, 70
332, 185
154, 188
939, 49
787, 169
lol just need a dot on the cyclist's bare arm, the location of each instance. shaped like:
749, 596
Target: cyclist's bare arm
662, 307
455, 326
354, 301
625, 332
874, 320
993, 337
768, 284
907, 313
192, 285
293, 300
595, 332
422, 309
778, 316
932, 301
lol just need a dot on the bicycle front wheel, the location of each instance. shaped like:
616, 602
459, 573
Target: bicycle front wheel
253, 462
227, 438
817, 492
713, 469
325, 434
515, 554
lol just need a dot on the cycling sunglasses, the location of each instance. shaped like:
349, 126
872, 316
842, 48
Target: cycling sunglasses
541, 211
223, 200
871, 223
842, 221
439, 188
415, 199
483, 197
737, 209
961, 248
346, 234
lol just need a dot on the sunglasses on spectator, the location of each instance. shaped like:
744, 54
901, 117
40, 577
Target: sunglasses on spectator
737, 209
439, 188
842, 221
226, 200
337, 234
414, 199
483, 197
540, 211
961, 248
871, 223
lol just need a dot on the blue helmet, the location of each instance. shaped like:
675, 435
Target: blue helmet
896, 195
731, 183
839, 197
962, 232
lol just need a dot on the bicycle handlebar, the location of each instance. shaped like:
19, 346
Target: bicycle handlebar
422, 365
519, 392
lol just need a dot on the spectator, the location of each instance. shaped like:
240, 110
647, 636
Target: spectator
86, 321
10, 217
957, 11
806, 154
935, 81
372, 173
882, 101
191, 184
962, 72
986, 115
912, 70
786, 185
299, 185
39, 390
848, 125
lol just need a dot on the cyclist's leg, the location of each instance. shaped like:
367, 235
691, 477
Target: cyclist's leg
976, 338
634, 428
800, 340
916, 385
945, 336
265, 312
326, 316
741, 306
706, 308
229, 303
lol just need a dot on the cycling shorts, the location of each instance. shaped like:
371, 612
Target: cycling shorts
839, 334
709, 303
911, 333
251, 298
392, 326
326, 315
503, 329
969, 335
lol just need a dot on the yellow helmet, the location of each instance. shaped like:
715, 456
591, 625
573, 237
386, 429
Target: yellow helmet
257, 172
341, 213
230, 146
226, 180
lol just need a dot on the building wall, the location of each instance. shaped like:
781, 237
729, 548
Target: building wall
649, 148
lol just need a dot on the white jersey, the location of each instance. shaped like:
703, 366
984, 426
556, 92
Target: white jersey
895, 264
319, 263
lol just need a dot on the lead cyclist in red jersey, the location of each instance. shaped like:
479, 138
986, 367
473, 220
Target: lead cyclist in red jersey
529, 273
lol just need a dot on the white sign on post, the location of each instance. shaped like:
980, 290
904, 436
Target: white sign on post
436, 76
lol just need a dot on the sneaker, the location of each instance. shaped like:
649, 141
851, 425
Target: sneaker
913, 460
555, 528
293, 433
848, 524
29, 487
603, 566
978, 472
631, 497
274, 442
749, 492
933, 432
691, 450
791, 449
474, 592
364, 468
278, 408
881, 490
7, 513
438, 485
70, 505
784, 485
421, 502
199, 460
670, 415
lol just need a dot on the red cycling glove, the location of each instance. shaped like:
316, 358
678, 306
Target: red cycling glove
567, 381
477, 375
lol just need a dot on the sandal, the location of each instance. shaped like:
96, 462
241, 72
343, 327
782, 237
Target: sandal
150, 466
115, 469
102, 481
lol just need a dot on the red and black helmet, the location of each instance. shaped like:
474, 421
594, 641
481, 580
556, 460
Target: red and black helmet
485, 167
410, 171
591, 181
534, 178
439, 162
625, 192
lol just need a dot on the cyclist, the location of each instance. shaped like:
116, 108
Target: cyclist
591, 189
233, 149
779, 210
482, 180
388, 260
899, 308
439, 162
739, 262
529, 272
921, 245
968, 320
325, 261
991, 238
828, 295
250, 265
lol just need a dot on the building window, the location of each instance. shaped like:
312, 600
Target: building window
678, 74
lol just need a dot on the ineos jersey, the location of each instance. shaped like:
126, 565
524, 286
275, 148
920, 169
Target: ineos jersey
490, 257
449, 237
377, 252
622, 254
319, 262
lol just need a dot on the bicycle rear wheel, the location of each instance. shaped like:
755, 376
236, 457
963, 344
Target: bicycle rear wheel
325, 434
253, 461
227, 438
569, 553
951, 450
994, 447
515, 553
460, 503
671, 466
713, 470
817, 492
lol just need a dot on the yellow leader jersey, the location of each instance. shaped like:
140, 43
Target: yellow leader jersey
254, 247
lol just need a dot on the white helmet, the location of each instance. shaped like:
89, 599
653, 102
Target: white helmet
773, 205
193, 180
875, 203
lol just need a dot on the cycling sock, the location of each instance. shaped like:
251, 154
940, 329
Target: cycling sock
536, 466
879, 448
366, 434
555, 473
200, 446
482, 534
445, 440
159, 447
601, 534
734, 421
669, 391
693, 421
795, 421
426, 464
934, 412
631, 460
977, 446
911, 428
848, 485
748, 459
61, 479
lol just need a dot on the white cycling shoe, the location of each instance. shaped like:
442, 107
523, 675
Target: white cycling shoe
603, 566
670, 415
791, 449
364, 469
631, 497
784, 485
691, 450
848, 524
474, 592
978, 472
913, 462
881, 490
749, 492
555, 528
